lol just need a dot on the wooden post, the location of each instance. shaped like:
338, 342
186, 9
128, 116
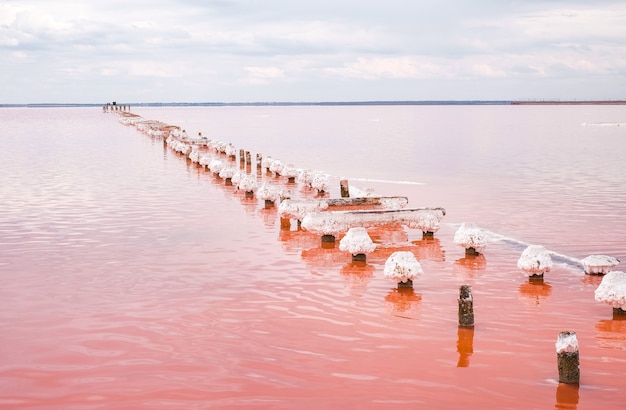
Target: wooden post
466, 306
568, 358
242, 159
345, 189
248, 158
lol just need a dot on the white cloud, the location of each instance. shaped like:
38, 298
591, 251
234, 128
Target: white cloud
313, 49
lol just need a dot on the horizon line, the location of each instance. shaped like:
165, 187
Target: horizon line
327, 103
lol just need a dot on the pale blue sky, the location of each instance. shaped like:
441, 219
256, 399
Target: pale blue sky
77, 51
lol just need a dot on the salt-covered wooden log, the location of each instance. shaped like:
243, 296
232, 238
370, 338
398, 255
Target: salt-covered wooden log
471, 238
466, 306
568, 359
598, 264
535, 261
336, 222
298, 209
402, 267
612, 290
358, 243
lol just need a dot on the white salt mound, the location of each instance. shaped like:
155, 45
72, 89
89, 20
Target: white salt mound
268, 192
470, 236
248, 183
227, 172
535, 260
357, 241
599, 264
320, 182
612, 289
567, 343
401, 266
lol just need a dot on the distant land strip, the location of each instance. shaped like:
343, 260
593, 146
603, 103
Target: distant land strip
329, 103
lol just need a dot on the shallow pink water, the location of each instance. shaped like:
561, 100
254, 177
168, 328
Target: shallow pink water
133, 279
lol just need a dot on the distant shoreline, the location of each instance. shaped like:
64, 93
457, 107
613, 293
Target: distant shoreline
556, 102
327, 103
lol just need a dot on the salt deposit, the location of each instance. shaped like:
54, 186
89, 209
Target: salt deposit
305, 177
402, 266
357, 241
320, 182
612, 290
535, 260
290, 172
216, 165
599, 264
268, 192
227, 172
470, 237
277, 167
299, 209
335, 222
567, 343
248, 183
427, 221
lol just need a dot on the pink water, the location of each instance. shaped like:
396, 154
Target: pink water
133, 279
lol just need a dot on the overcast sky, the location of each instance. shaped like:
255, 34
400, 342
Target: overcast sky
78, 51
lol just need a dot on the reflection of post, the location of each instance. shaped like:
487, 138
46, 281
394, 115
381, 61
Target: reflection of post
566, 396
466, 306
465, 345
567, 357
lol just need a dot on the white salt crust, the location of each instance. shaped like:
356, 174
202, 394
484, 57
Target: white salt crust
357, 241
612, 289
402, 266
535, 260
470, 236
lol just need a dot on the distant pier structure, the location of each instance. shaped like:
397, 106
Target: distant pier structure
114, 106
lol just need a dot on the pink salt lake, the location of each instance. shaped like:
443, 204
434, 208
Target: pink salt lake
133, 279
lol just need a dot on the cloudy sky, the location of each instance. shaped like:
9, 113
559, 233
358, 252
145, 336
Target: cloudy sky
77, 51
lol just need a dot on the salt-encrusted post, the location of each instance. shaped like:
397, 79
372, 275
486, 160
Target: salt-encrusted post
471, 238
402, 267
248, 157
358, 243
535, 261
344, 188
612, 290
466, 306
598, 264
242, 159
568, 358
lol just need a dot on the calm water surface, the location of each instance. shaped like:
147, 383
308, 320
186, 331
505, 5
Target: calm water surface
133, 279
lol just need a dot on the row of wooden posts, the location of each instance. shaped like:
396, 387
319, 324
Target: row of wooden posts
568, 363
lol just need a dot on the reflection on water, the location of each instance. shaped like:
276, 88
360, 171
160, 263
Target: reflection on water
403, 299
567, 396
611, 334
133, 278
465, 345
535, 291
